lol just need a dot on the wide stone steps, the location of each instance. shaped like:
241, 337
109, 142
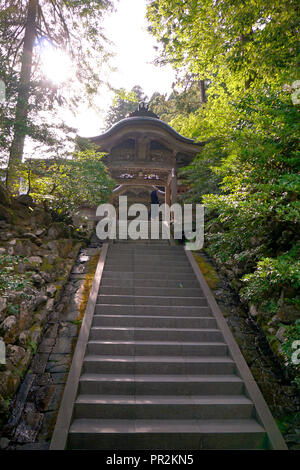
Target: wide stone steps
163, 407
149, 261
146, 291
155, 347
141, 248
128, 283
153, 310
136, 258
149, 275
139, 269
131, 384
153, 253
155, 321
163, 434
158, 364
178, 335
142, 243
149, 300
157, 372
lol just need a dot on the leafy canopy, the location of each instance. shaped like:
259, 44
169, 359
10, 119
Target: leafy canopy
71, 27
66, 184
248, 172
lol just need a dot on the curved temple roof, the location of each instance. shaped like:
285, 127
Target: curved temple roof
142, 120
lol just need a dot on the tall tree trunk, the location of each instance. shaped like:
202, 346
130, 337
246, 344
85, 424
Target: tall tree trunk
20, 123
251, 73
202, 92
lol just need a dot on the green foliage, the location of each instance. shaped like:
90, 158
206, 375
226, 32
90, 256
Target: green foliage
32, 346
238, 41
8, 401
124, 102
272, 275
200, 174
66, 184
247, 174
13, 309
10, 279
250, 172
288, 422
258, 206
184, 100
292, 334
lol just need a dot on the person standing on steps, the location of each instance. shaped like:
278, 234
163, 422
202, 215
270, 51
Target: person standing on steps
154, 203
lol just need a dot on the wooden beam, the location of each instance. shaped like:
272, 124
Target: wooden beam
168, 195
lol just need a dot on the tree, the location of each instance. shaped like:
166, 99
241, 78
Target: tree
26, 27
64, 184
247, 176
187, 96
254, 40
124, 103
17, 146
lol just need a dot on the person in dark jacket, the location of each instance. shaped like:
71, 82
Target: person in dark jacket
154, 197
154, 203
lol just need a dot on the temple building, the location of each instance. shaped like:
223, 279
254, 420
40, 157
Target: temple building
142, 151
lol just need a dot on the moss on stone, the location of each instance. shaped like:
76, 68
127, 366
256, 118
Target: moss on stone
46, 266
87, 284
58, 291
7, 214
208, 271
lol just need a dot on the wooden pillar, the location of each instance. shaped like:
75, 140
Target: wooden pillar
173, 186
168, 194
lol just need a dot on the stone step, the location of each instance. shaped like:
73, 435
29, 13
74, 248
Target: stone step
147, 265
149, 268
172, 283
160, 384
158, 256
162, 434
155, 322
148, 275
124, 247
154, 334
149, 300
153, 348
163, 407
155, 257
148, 291
144, 242
145, 226
158, 365
153, 310
158, 253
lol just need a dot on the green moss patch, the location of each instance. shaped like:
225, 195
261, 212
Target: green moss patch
87, 285
208, 271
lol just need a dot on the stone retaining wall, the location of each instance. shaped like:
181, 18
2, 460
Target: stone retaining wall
34, 409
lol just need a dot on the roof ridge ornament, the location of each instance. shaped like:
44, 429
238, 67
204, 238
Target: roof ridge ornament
143, 110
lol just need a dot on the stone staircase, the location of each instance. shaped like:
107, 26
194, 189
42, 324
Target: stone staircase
157, 372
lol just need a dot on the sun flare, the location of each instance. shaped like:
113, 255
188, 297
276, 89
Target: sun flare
56, 64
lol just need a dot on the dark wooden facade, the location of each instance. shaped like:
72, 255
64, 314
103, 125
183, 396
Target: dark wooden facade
143, 151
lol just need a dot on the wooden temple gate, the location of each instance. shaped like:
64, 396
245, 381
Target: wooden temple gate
143, 151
